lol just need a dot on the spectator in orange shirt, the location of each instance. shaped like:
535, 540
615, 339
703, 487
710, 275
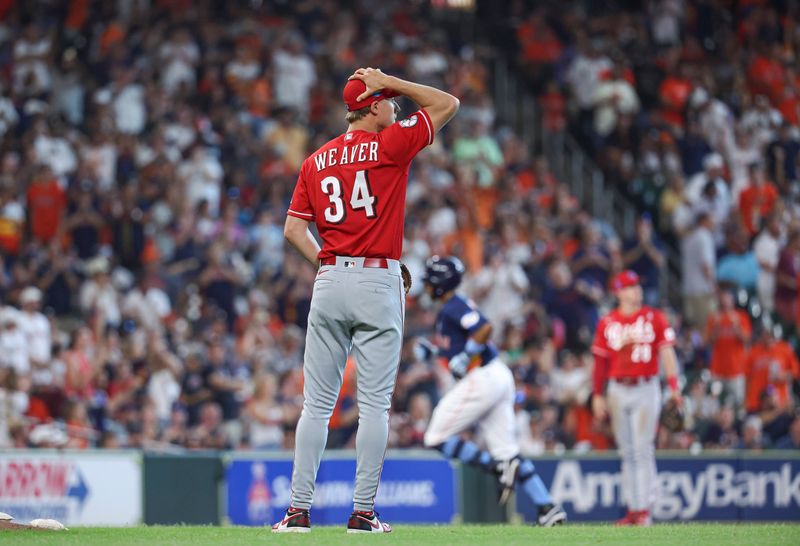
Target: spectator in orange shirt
757, 201
770, 363
674, 92
47, 202
728, 333
766, 74
540, 45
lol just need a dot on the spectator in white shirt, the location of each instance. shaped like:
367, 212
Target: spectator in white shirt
267, 242
585, 72
180, 134
667, 18
716, 120
294, 75
762, 120
179, 57
767, 248
56, 151
243, 68
612, 98
570, 380
713, 167
744, 153
128, 102
31, 61
699, 264
500, 288
13, 345
36, 328
428, 64
148, 304
69, 88
100, 157
718, 206
202, 175
98, 295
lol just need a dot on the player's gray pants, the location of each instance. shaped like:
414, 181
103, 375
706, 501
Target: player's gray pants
634, 413
362, 308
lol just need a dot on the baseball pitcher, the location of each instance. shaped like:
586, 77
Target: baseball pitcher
628, 344
353, 188
483, 396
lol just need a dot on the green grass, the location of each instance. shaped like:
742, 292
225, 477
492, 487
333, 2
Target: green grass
460, 535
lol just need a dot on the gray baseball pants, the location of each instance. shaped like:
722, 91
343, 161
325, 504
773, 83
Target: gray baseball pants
634, 417
359, 309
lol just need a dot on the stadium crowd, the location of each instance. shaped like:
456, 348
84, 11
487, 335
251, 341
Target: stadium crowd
149, 149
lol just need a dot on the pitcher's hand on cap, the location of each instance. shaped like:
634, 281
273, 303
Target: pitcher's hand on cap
365, 86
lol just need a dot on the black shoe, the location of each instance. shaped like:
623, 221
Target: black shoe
366, 522
295, 521
550, 515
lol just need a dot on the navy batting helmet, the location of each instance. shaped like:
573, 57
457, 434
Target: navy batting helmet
443, 274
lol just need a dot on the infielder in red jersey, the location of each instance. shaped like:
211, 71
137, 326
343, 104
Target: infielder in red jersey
354, 188
628, 344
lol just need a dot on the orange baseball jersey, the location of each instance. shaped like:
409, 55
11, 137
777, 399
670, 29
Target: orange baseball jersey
631, 342
762, 363
728, 352
354, 188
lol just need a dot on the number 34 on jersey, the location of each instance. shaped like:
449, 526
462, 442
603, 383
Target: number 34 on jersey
361, 198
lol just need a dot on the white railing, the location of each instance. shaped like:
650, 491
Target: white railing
517, 108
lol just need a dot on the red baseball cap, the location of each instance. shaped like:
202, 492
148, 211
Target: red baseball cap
353, 90
624, 279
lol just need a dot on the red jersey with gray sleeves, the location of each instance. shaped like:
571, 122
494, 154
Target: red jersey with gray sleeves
354, 188
631, 342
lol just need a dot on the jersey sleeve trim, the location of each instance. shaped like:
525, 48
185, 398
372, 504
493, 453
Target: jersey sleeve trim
301, 215
599, 351
428, 124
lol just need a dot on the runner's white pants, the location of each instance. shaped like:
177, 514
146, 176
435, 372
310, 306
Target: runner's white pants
484, 397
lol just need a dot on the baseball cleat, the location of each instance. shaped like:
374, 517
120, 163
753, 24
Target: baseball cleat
550, 515
295, 521
367, 522
629, 519
507, 479
642, 519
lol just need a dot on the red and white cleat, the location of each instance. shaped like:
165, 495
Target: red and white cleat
639, 518
643, 519
367, 522
628, 520
295, 521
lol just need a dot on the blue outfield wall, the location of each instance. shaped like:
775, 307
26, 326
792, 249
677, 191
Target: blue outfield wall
416, 487
738, 487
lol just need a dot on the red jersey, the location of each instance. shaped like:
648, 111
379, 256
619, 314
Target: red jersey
728, 352
46, 203
354, 188
631, 342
